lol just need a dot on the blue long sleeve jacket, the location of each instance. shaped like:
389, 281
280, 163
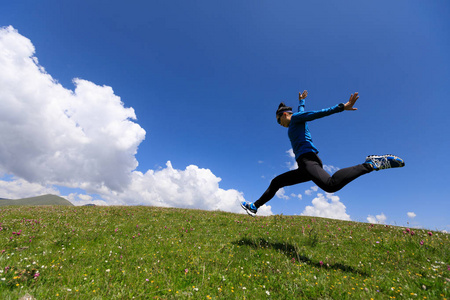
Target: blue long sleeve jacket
298, 131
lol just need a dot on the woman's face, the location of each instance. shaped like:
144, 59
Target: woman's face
284, 119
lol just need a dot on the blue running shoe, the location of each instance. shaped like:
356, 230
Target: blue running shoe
380, 162
249, 207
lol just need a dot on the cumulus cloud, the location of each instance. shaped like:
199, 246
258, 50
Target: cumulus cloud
17, 188
312, 190
327, 206
281, 193
84, 139
193, 187
380, 219
411, 215
299, 196
51, 135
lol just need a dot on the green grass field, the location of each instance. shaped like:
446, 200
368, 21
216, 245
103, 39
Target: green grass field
62, 252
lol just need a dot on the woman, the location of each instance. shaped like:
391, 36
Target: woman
310, 166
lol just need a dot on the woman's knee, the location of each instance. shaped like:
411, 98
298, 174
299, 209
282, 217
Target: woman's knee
330, 188
277, 183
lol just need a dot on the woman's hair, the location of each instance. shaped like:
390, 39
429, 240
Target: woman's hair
283, 108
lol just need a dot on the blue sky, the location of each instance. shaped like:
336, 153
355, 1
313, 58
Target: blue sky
197, 84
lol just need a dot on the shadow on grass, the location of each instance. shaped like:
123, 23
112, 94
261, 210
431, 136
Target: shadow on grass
292, 253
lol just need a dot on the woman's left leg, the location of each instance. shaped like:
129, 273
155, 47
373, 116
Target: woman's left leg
286, 179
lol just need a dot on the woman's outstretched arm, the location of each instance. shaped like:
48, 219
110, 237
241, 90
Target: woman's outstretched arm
307, 116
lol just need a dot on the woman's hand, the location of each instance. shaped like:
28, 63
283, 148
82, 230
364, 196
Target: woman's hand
302, 95
351, 102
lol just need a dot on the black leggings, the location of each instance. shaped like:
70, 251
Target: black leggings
310, 167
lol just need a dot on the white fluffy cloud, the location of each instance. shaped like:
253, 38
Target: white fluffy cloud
281, 193
19, 188
312, 190
411, 215
51, 135
84, 139
380, 219
299, 196
327, 206
193, 187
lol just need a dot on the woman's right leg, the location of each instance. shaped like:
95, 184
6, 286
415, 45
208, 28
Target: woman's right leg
285, 179
313, 166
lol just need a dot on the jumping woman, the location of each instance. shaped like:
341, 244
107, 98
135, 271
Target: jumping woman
310, 166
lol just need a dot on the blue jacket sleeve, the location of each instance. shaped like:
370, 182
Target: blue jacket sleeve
302, 116
301, 105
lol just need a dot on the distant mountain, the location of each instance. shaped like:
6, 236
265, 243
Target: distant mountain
40, 200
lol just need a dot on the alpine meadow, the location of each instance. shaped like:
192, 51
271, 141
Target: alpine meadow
138, 252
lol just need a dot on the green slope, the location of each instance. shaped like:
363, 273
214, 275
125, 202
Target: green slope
138, 252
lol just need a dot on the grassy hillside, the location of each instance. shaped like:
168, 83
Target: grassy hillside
55, 252
40, 200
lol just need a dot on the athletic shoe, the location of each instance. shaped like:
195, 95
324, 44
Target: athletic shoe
249, 207
380, 162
